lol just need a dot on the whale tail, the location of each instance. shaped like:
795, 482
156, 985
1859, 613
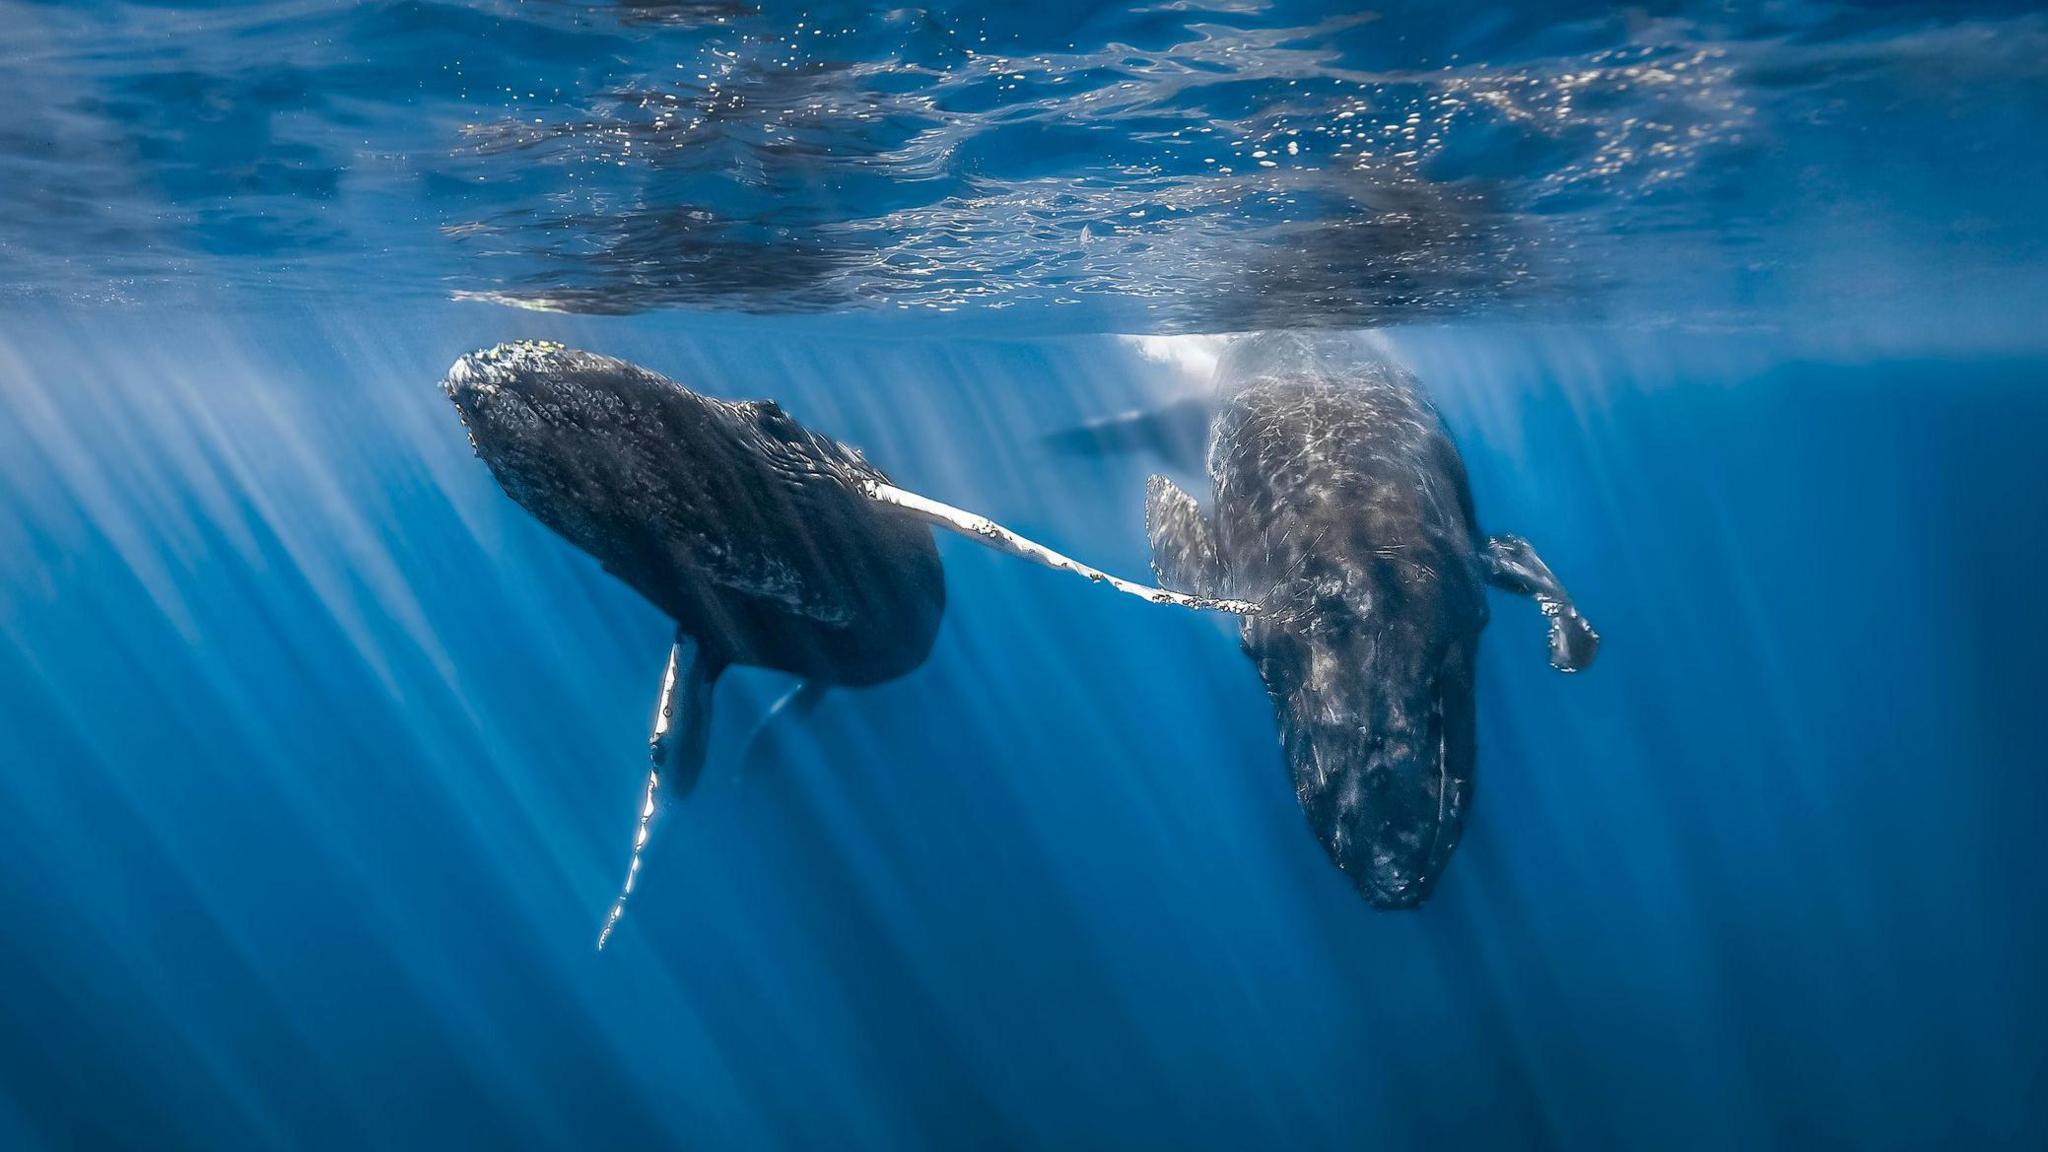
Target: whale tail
1514, 566
1176, 432
682, 730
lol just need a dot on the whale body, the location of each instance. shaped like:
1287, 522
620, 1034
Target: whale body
1340, 508
768, 544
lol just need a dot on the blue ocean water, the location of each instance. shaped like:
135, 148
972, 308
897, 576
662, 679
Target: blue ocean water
319, 757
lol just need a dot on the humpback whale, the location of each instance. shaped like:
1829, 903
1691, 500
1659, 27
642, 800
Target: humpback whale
768, 544
1341, 510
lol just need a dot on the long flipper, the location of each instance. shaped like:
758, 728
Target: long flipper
994, 535
1183, 547
682, 729
1514, 566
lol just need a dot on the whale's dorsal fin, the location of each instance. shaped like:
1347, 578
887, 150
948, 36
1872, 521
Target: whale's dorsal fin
1512, 565
1183, 547
990, 534
682, 730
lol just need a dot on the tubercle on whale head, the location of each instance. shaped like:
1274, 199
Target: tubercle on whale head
492, 367
479, 382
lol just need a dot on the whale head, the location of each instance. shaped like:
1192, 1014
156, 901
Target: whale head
501, 392
566, 434
1305, 354
1377, 725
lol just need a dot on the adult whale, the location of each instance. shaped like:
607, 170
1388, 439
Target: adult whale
1342, 510
768, 544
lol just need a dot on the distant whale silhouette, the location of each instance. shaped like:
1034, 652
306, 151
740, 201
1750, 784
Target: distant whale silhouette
1341, 509
768, 544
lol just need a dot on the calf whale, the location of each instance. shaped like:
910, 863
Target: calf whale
768, 544
1341, 509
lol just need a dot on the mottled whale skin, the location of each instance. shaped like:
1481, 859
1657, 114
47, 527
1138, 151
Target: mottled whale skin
1341, 509
750, 531
761, 539
768, 544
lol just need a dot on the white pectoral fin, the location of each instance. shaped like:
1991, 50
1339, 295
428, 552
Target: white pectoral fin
987, 532
682, 730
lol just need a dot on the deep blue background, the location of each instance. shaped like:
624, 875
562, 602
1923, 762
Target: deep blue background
318, 761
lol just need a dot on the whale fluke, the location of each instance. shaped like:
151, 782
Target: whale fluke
682, 730
1177, 432
987, 532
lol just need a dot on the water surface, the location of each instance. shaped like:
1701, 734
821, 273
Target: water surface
319, 758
